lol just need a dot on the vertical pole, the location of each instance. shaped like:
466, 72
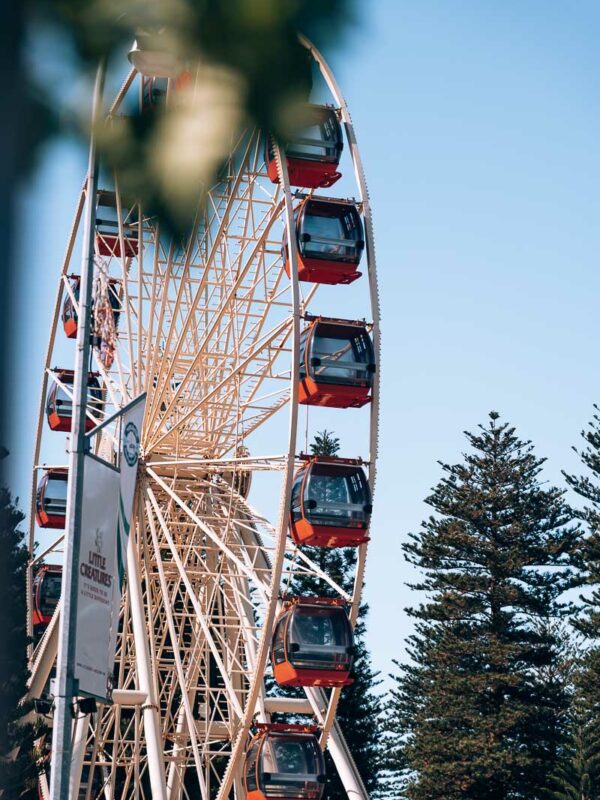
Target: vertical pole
145, 678
347, 769
79, 740
66, 688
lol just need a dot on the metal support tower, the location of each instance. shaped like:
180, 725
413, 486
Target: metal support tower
66, 690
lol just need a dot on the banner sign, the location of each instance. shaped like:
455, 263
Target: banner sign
131, 429
107, 505
97, 580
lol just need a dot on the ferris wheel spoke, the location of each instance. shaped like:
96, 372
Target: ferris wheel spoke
297, 554
43, 657
139, 308
233, 415
221, 387
54, 547
124, 374
94, 748
221, 316
223, 311
190, 317
185, 687
238, 646
115, 392
151, 288
307, 567
157, 312
259, 580
125, 264
204, 623
250, 402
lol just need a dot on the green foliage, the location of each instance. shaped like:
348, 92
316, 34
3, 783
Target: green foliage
477, 712
588, 487
259, 40
577, 775
325, 444
18, 771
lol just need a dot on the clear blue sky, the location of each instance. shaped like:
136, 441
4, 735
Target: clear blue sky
479, 125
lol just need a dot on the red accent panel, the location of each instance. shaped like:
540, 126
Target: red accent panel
45, 520
332, 395
288, 675
58, 423
111, 245
70, 327
303, 532
318, 270
309, 174
63, 424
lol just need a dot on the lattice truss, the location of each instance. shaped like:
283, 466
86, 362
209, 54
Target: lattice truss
205, 327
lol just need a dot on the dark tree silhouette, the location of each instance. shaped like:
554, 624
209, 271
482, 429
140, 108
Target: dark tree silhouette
18, 771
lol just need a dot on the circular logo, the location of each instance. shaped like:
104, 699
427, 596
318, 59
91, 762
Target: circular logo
131, 443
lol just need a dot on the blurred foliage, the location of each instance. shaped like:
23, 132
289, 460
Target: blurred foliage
248, 68
255, 38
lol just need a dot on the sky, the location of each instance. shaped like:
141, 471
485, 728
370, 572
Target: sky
478, 124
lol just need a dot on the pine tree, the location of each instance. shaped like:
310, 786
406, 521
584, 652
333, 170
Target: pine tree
18, 770
359, 709
577, 775
472, 714
579, 772
588, 487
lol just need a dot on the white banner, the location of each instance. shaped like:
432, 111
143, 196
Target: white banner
131, 428
97, 580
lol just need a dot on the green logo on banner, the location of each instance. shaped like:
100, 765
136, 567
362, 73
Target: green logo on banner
131, 443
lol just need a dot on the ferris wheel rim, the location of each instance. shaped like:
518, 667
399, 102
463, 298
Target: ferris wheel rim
325, 712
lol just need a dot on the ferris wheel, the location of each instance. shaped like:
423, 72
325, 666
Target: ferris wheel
227, 336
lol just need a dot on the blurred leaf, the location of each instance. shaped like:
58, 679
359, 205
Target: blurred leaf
252, 71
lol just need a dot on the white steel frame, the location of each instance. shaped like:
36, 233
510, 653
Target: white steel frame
211, 333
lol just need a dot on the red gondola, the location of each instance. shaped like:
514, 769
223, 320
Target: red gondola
330, 241
313, 643
331, 503
69, 314
51, 498
59, 406
46, 593
314, 155
284, 762
108, 240
336, 364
